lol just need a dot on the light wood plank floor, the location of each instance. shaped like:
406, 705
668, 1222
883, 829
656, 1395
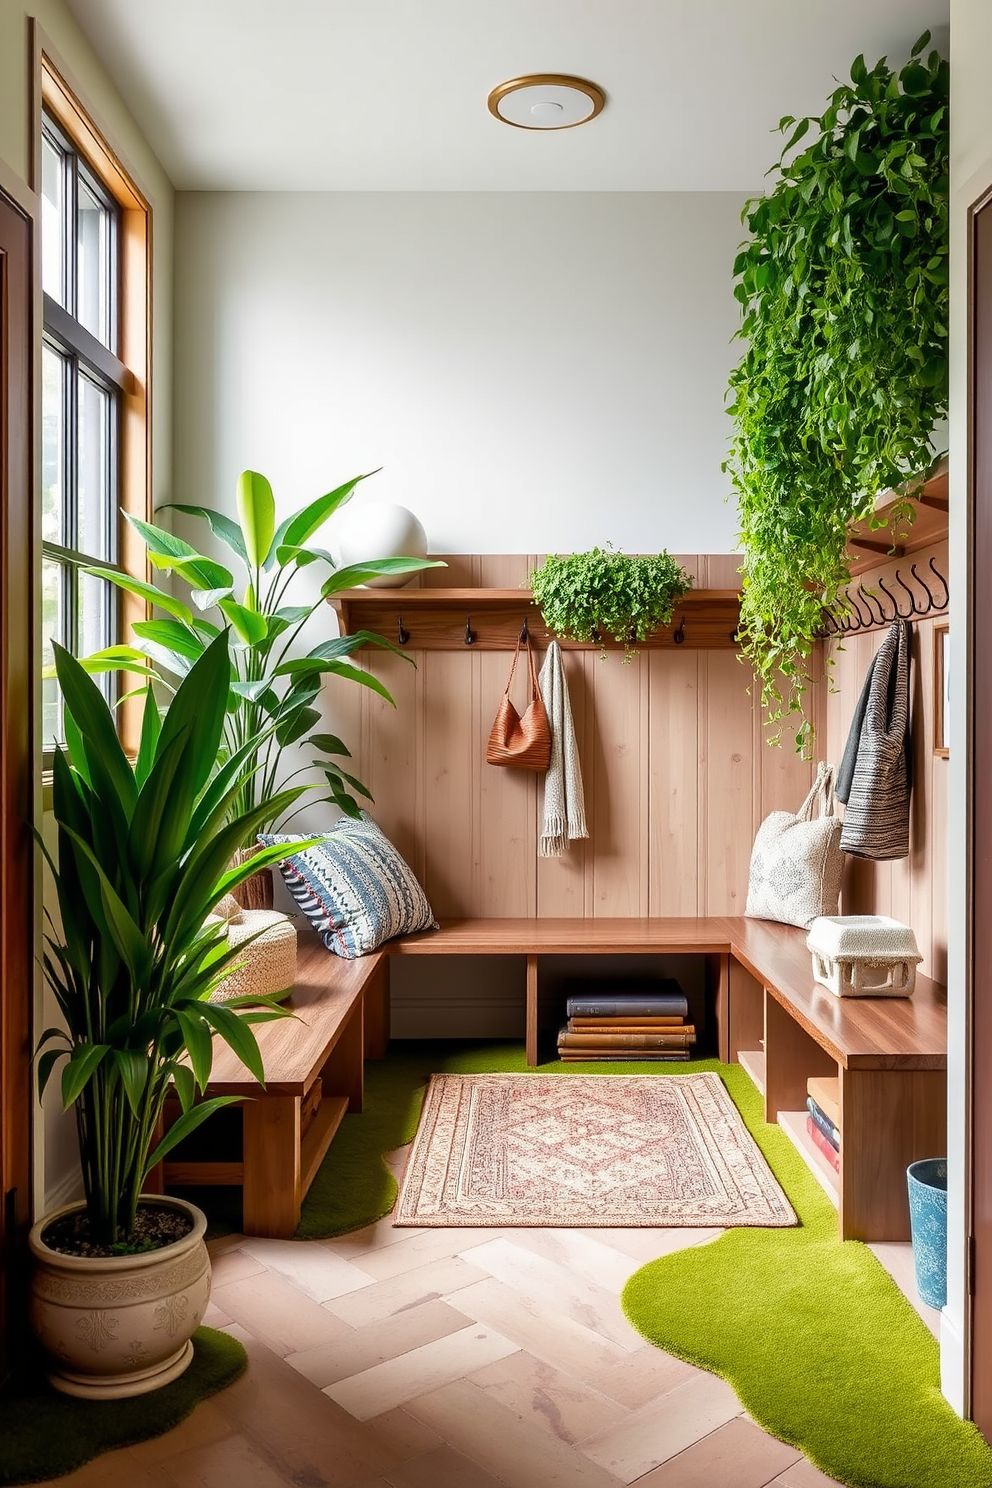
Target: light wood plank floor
401, 1358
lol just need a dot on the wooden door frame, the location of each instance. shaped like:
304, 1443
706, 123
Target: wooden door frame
18, 775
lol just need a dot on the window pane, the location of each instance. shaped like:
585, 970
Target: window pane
93, 302
95, 623
96, 508
53, 375
52, 628
53, 220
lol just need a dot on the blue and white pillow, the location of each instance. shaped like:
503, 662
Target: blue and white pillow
354, 888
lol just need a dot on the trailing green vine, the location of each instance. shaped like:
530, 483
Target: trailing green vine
844, 290
589, 596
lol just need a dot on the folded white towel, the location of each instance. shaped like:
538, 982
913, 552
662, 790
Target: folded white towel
564, 804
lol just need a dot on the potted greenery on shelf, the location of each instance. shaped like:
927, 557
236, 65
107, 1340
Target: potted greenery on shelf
844, 291
120, 1282
272, 690
589, 596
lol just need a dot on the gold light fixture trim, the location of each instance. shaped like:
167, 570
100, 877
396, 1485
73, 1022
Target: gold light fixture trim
550, 81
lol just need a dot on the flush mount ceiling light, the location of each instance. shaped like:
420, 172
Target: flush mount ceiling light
546, 100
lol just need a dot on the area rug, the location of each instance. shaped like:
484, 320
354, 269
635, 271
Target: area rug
625, 1150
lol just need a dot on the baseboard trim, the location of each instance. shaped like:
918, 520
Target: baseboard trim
952, 1363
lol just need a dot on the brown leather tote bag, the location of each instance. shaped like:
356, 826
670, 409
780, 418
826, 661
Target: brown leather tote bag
521, 742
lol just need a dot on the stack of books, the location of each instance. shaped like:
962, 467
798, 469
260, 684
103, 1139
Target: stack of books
620, 1025
823, 1117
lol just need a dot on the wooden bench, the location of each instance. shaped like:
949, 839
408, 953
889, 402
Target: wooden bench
341, 1010
889, 1054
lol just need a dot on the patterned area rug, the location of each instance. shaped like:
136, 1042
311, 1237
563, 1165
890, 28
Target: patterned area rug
618, 1150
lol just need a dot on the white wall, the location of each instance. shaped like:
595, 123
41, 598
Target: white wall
971, 175
536, 372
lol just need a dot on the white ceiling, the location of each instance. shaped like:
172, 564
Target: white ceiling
390, 95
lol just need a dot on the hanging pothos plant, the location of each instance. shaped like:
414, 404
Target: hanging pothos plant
844, 289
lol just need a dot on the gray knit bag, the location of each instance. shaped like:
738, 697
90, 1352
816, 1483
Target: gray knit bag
796, 861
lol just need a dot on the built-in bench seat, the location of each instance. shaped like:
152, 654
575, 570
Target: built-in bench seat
889, 1054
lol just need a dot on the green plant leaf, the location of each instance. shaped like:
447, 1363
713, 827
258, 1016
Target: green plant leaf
151, 728
147, 592
198, 1044
250, 625
360, 573
237, 1035
329, 744
185, 1125
308, 666
295, 530
199, 706
257, 513
221, 526
171, 636
87, 706
83, 1063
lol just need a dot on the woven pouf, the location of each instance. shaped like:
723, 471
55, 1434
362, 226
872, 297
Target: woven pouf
268, 963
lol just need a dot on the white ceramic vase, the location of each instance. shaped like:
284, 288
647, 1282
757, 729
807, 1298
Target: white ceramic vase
114, 1326
380, 530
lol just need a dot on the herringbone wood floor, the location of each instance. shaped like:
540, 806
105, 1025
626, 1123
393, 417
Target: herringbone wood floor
454, 1359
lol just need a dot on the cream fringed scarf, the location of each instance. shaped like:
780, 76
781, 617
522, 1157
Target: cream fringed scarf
564, 804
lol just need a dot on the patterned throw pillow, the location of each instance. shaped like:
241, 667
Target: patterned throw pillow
354, 888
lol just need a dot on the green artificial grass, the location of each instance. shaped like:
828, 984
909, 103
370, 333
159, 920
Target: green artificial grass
818, 1342
45, 1434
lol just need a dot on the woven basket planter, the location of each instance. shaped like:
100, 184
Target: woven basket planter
256, 892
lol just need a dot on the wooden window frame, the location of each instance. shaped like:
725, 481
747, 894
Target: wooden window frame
57, 95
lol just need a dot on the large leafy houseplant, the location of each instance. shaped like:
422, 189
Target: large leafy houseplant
270, 703
843, 287
142, 857
589, 596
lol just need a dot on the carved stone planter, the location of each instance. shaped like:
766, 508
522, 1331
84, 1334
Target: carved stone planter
114, 1326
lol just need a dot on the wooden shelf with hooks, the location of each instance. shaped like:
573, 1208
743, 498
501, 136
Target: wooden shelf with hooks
872, 546
491, 619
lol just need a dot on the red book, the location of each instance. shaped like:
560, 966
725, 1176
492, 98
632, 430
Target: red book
822, 1145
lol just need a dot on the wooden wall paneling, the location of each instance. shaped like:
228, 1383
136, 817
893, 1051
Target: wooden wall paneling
565, 884
392, 751
726, 782
783, 777
720, 571
620, 799
673, 744
452, 765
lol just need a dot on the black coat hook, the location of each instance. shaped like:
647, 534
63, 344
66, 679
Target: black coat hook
469, 632
679, 635
402, 634
524, 633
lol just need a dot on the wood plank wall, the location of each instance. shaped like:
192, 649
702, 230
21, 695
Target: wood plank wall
912, 889
677, 775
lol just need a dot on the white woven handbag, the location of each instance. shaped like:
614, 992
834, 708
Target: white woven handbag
796, 861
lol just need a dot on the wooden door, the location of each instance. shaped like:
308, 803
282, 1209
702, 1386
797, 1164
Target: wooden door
17, 553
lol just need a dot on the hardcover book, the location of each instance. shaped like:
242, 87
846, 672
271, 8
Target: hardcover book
632, 1005
823, 1121
822, 1145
